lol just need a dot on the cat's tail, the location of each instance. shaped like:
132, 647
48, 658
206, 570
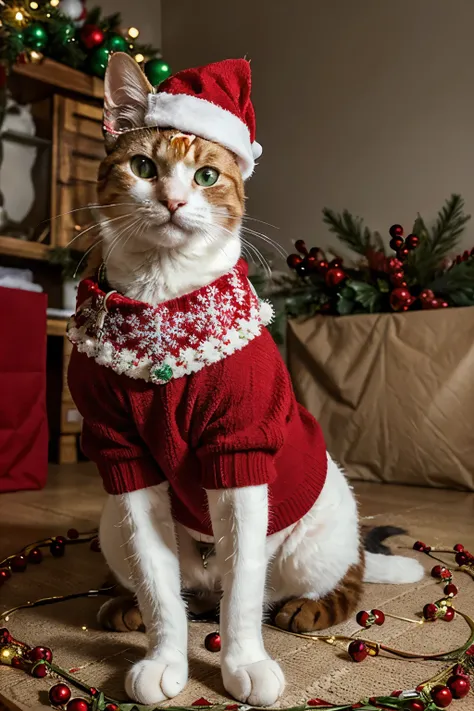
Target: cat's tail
381, 566
373, 538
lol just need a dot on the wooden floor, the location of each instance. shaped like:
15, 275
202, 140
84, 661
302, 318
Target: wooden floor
74, 497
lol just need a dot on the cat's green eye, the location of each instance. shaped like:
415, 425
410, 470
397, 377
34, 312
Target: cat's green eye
143, 167
205, 177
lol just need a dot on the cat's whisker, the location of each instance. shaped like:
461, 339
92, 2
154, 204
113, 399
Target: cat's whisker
118, 237
97, 224
259, 255
96, 244
87, 207
224, 212
268, 240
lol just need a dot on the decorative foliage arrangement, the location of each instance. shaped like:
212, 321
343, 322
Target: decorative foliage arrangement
62, 30
419, 274
453, 682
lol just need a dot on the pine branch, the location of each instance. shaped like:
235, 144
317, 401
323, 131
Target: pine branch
349, 230
93, 16
449, 226
459, 279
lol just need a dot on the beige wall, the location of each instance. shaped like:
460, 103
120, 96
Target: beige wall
364, 104
144, 14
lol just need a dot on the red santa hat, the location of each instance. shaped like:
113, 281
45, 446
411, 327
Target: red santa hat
212, 102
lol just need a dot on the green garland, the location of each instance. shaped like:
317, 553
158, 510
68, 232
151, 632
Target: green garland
33, 29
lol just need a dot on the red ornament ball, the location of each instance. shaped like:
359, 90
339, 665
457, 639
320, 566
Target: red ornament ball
459, 686
396, 243
91, 36
73, 534
213, 642
311, 263
403, 252
334, 277
437, 571
57, 549
5, 635
451, 590
4, 575
398, 278
426, 296
363, 619
78, 705
416, 705
335, 263
430, 611
111, 707
379, 617
358, 650
323, 265
16, 663
60, 539
449, 615
419, 546
314, 252
459, 548
412, 241
40, 653
396, 231
18, 564
93, 691
40, 670
442, 696
300, 246
462, 558
400, 299
59, 694
95, 545
35, 556
293, 260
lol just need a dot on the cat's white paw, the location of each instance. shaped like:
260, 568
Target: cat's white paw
152, 681
257, 684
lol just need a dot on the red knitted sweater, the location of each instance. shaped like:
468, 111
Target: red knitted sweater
231, 420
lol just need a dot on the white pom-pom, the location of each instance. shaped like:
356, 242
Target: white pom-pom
267, 312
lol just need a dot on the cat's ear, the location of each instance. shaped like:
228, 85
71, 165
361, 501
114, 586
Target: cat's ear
126, 91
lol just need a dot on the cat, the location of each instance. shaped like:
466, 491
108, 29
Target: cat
173, 204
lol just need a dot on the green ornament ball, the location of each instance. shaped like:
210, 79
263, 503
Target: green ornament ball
116, 43
157, 70
98, 61
66, 33
35, 36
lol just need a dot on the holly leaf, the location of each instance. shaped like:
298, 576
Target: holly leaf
383, 286
344, 306
366, 295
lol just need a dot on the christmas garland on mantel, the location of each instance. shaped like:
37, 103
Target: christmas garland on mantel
453, 682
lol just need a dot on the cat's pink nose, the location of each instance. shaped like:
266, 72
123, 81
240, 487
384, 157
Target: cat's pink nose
173, 205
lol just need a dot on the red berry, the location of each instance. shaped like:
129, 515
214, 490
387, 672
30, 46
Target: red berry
444, 305
39, 671
93, 691
18, 564
363, 619
357, 650
462, 558
442, 696
293, 260
446, 574
323, 266
334, 277
311, 702
78, 705
300, 246
459, 686
213, 642
40, 653
4, 575
311, 263
437, 571
394, 265
458, 548
335, 263
398, 278
451, 589
416, 705
111, 707
5, 635
35, 556
449, 615
396, 243
16, 663
419, 546
73, 534
396, 693
379, 617
430, 611
412, 241
396, 231
57, 550
314, 252
59, 694
403, 252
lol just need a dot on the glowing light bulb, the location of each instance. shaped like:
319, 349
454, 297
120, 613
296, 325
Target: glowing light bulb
139, 58
133, 32
6, 653
84, 629
54, 3
19, 16
34, 5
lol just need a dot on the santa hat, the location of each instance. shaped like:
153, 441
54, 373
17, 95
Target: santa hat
212, 102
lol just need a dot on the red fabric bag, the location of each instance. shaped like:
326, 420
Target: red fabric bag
23, 419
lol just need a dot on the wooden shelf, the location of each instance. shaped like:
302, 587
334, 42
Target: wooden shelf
23, 248
56, 74
56, 327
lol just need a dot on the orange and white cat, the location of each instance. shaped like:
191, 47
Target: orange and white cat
173, 204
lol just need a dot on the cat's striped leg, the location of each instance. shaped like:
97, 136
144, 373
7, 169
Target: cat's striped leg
147, 539
239, 521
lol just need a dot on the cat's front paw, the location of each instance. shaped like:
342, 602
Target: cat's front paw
152, 681
257, 684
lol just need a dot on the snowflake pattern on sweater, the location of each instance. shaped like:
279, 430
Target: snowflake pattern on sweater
173, 339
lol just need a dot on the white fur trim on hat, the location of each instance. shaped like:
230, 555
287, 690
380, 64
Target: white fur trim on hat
206, 120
